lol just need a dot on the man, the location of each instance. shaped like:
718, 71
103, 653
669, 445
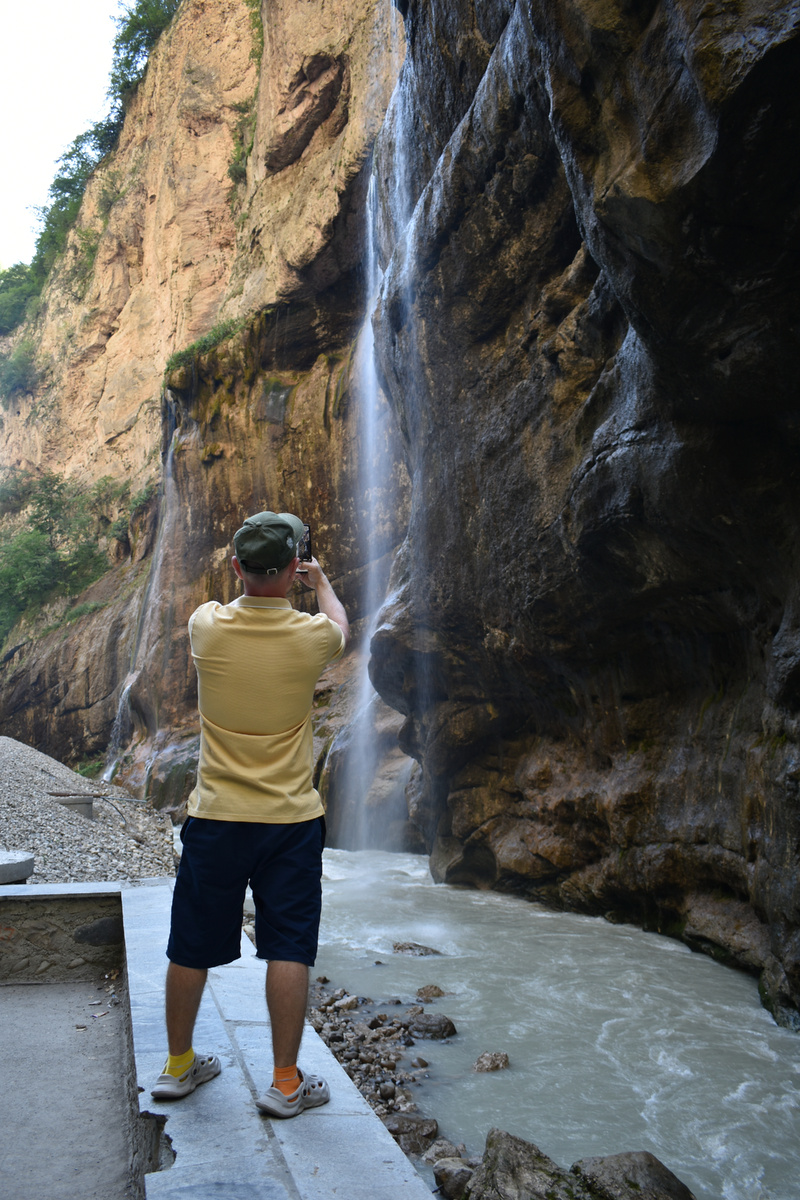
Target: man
254, 816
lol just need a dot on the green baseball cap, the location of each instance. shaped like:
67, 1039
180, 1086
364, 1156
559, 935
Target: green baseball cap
267, 542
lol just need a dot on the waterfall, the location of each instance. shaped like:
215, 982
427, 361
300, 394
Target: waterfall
138, 704
361, 747
362, 757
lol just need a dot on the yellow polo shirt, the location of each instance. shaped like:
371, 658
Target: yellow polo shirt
257, 661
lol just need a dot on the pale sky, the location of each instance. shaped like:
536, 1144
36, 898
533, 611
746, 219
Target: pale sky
55, 58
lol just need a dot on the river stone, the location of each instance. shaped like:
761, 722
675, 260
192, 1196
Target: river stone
637, 1175
452, 1176
414, 948
432, 1025
513, 1169
106, 931
441, 1148
492, 1060
431, 991
412, 1133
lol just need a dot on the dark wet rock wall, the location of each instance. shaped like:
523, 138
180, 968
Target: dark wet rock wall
587, 333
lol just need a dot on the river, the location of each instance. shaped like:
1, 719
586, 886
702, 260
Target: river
618, 1039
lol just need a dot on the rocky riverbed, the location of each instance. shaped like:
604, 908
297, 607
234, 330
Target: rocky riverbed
378, 1044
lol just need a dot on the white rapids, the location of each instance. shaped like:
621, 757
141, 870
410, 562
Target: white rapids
618, 1039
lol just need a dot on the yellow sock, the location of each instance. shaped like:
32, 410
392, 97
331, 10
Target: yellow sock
177, 1063
286, 1079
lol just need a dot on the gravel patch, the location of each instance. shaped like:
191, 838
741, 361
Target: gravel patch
127, 839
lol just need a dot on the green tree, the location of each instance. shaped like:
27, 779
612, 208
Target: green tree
138, 29
17, 287
53, 553
18, 369
139, 26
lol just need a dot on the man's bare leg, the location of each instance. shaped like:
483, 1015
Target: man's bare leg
184, 992
287, 998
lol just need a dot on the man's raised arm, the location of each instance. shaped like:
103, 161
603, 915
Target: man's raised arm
312, 575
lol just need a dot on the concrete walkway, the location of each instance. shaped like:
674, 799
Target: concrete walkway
64, 1106
58, 1142
223, 1147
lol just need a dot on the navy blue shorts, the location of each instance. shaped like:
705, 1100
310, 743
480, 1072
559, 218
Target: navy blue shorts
282, 864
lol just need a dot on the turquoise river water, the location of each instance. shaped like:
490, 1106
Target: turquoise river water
618, 1039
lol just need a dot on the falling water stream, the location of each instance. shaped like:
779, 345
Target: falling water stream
155, 615
618, 1039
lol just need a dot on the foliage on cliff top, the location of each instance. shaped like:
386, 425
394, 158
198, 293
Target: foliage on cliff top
53, 551
17, 370
139, 26
215, 336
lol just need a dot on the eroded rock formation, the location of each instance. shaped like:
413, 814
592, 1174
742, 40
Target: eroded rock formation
587, 333
588, 220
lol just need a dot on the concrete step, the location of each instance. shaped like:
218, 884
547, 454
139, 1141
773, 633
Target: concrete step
224, 1148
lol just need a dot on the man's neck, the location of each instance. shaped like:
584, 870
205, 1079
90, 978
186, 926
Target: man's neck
265, 592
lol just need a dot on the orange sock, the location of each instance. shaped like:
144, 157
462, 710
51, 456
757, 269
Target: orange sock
286, 1079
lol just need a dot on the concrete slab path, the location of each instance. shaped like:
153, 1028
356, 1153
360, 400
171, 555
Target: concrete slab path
224, 1148
64, 1107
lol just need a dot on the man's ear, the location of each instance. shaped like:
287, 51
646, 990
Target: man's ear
237, 566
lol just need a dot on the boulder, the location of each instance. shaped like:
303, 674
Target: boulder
492, 1060
432, 1025
636, 1175
412, 1133
452, 1176
513, 1169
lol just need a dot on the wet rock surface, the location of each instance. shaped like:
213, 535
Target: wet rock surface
513, 1169
584, 334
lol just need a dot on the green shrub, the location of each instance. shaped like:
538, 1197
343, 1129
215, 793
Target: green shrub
53, 553
106, 494
18, 369
83, 610
243, 138
220, 333
17, 287
141, 500
139, 26
90, 768
257, 26
15, 490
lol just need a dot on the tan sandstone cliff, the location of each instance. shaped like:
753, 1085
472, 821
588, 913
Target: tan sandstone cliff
269, 419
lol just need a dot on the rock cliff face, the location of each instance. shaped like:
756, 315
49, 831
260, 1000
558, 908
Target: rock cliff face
587, 333
233, 204
588, 218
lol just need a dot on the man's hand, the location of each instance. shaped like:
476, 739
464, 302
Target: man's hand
311, 575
